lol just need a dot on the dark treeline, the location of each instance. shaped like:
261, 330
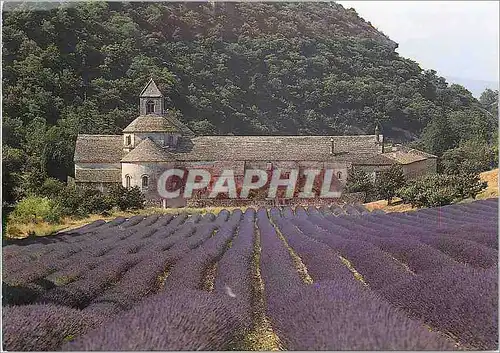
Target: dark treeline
240, 68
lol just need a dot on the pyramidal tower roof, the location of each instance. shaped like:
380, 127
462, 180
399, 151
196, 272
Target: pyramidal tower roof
152, 123
148, 151
151, 90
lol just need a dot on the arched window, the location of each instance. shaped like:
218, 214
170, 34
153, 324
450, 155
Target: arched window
128, 140
339, 175
145, 181
128, 179
150, 107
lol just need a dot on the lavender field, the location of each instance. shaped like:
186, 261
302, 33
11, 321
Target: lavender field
302, 279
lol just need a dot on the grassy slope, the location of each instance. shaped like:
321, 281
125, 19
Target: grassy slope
17, 230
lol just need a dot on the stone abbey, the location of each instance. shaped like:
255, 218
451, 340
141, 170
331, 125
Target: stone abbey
156, 141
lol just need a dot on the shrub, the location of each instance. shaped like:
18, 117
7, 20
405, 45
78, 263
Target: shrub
52, 188
469, 185
127, 198
429, 192
83, 201
70, 199
34, 209
93, 201
441, 189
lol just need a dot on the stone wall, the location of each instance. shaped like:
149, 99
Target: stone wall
81, 165
317, 202
372, 170
103, 187
420, 168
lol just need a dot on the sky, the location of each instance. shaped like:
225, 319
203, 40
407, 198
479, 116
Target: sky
458, 39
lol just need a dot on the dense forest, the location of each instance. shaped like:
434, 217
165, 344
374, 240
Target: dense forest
225, 68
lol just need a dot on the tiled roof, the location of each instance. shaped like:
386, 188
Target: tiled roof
98, 175
98, 149
182, 127
158, 123
151, 123
361, 148
148, 151
405, 155
151, 90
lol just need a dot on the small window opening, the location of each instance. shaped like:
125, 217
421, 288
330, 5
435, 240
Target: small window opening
145, 182
127, 181
150, 107
128, 140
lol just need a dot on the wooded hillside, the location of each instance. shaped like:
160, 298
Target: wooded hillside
240, 68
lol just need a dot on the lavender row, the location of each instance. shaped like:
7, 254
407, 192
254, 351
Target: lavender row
116, 242
204, 233
418, 256
462, 301
79, 293
61, 250
341, 315
471, 214
428, 223
160, 255
449, 215
43, 327
135, 284
189, 271
65, 255
458, 247
234, 270
377, 267
278, 270
484, 233
331, 315
177, 320
321, 261
436, 226
222, 217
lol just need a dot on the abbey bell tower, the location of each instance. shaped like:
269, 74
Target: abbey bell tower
151, 100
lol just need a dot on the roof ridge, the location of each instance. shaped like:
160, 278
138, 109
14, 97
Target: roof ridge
286, 136
97, 135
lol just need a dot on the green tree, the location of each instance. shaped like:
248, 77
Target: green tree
389, 181
436, 190
489, 101
471, 157
494, 148
13, 160
429, 191
468, 185
359, 181
439, 136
